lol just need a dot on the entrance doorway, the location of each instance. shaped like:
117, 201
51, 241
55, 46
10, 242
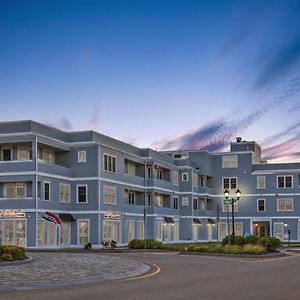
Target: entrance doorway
261, 229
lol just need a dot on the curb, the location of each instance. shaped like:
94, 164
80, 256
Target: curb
28, 260
234, 255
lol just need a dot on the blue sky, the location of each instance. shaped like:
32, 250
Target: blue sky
163, 74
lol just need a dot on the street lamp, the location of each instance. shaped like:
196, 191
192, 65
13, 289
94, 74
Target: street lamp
238, 195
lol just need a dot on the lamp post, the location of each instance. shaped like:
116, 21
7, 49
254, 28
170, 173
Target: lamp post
238, 195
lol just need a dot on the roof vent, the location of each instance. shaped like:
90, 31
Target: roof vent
238, 139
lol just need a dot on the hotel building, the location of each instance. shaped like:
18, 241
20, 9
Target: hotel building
104, 189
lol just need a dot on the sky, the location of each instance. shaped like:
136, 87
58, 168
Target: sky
163, 74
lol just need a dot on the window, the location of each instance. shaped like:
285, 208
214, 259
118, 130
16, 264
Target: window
82, 193
15, 190
158, 173
130, 168
185, 177
261, 205
201, 204
64, 193
261, 182
285, 204
180, 155
12, 232
176, 231
46, 191
195, 180
131, 198
140, 230
149, 199
229, 183
65, 233
47, 156
110, 196
175, 178
201, 180
278, 230
185, 201
223, 229
81, 156
112, 230
229, 207
129, 231
109, 163
175, 203
6, 154
46, 233
83, 232
149, 172
229, 161
159, 200
24, 154
159, 230
285, 181
195, 204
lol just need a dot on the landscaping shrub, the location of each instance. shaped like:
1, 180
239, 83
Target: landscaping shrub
7, 257
140, 244
251, 239
15, 251
239, 240
271, 243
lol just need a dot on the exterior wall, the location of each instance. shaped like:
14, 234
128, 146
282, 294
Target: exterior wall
202, 164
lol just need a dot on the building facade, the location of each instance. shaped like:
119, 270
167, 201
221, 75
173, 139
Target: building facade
104, 189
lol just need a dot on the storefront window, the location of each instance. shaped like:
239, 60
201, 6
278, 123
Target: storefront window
46, 233
65, 233
8, 232
112, 230
12, 232
83, 232
20, 233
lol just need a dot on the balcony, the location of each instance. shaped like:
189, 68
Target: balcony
54, 169
17, 166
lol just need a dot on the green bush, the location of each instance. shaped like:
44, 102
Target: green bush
7, 257
270, 242
140, 244
251, 239
15, 251
232, 240
239, 240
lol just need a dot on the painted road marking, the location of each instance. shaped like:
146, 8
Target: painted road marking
157, 270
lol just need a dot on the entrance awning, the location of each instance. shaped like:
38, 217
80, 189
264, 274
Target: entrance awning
211, 221
169, 220
196, 221
66, 217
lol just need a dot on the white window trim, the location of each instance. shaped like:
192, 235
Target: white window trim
285, 181
18, 153
15, 183
59, 200
78, 157
111, 187
237, 162
257, 205
285, 209
183, 199
78, 230
132, 222
237, 182
261, 188
77, 196
187, 177
49, 191
7, 148
104, 163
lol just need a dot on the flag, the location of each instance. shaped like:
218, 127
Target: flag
51, 217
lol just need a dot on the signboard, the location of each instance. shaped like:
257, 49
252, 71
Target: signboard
11, 213
113, 215
227, 201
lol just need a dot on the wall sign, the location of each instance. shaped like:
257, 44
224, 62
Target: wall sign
113, 215
11, 213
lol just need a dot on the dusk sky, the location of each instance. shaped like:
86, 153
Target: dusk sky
160, 74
